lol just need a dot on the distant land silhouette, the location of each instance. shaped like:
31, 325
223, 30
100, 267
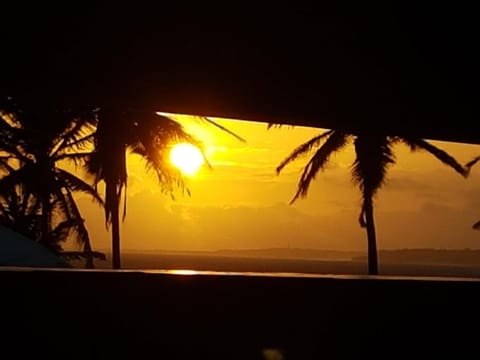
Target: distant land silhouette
409, 262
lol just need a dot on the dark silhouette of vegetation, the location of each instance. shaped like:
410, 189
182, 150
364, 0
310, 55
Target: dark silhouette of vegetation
36, 194
374, 155
146, 134
36, 191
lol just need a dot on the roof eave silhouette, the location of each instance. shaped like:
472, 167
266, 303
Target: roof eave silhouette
406, 71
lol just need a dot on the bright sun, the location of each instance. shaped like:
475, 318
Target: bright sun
187, 158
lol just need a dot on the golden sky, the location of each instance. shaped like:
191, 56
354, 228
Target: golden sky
241, 203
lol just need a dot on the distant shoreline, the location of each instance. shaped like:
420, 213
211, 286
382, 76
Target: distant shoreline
399, 256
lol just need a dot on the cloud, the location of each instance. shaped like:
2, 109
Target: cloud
404, 182
153, 224
156, 223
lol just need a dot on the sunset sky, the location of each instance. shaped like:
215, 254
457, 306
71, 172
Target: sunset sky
242, 204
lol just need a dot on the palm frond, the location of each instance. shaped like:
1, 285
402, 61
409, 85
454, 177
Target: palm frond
9, 121
74, 183
336, 141
72, 130
29, 203
440, 154
93, 167
16, 177
374, 154
14, 214
73, 224
78, 231
74, 145
61, 205
4, 165
62, 231
4, 210
68, 133
223, 128
153, 143
108, 164
12, 146
36, 146
469, 165
77, 158
303, 149
169, 177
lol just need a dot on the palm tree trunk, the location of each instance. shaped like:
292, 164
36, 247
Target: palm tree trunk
88, 255
371, 236
111, 190
115, 240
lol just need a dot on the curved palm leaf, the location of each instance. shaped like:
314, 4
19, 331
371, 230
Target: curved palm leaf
443, 156
4, 165
79, 228
79, 158
223, 128
336, 141
303, 149
12, 139
470, 164
74, 183
76, 134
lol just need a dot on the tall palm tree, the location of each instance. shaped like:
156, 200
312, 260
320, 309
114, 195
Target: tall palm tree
374, 155
144, 133
36, 192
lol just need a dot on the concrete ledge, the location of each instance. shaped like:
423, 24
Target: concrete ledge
127, 314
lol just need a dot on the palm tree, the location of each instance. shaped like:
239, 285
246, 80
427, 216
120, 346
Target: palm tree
20, 212
36, 192
374, 155
144, 133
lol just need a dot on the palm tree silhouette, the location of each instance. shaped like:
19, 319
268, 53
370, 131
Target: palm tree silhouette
20, 211
374, 155
144, 133
36, 192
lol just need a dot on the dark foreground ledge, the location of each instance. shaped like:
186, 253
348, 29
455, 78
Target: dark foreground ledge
163, 315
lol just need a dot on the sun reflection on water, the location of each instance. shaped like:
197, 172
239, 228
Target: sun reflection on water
182, 272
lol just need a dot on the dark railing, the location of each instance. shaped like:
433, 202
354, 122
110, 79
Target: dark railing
74, 314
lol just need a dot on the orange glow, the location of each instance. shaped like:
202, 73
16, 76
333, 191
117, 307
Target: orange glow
241, 203
187, 158
183, 272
